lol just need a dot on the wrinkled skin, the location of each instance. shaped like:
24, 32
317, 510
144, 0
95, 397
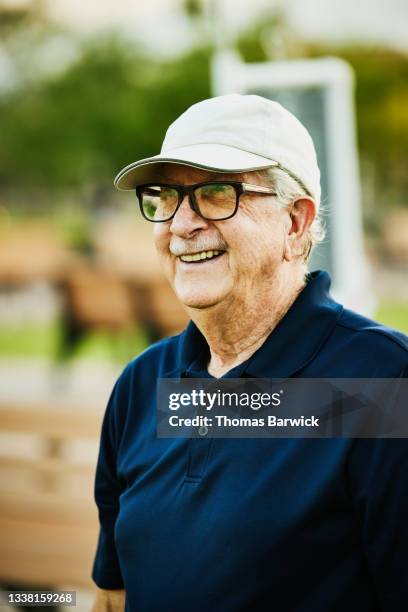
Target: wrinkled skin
253, 240
237, 299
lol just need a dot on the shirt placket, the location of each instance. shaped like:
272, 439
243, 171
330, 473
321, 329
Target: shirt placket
199, 445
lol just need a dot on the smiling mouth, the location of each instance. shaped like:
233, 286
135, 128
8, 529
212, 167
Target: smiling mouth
201, 257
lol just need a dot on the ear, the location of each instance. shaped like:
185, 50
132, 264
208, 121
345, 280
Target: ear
301, 216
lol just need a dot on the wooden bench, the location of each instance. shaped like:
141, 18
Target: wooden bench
93, 299
48, 519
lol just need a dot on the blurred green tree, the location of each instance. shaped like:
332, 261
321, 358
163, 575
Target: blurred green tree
73, 129
381, 77
109, 107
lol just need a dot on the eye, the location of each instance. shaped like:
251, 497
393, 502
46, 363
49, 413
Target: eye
166, 193
158, 202
216, 192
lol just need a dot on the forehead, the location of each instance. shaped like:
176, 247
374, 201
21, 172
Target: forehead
183, 175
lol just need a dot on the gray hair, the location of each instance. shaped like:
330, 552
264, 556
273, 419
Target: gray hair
288, 189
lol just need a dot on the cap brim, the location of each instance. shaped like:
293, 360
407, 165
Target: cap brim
214, 157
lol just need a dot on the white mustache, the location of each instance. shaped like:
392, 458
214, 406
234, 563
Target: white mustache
190, 247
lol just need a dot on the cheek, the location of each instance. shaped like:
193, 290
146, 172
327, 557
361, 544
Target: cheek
161, 237
258, 238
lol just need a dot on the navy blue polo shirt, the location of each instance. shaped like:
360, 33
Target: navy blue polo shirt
228, 525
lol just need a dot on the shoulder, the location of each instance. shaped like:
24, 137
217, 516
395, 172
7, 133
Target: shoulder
373, 331
373, 342
157, 360
136, 385
162, 354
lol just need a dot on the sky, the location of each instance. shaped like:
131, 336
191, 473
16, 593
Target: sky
383, 21
160, 25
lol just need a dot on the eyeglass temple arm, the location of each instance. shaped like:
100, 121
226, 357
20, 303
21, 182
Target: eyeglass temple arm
257, 189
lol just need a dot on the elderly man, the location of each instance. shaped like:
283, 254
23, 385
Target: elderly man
228, 525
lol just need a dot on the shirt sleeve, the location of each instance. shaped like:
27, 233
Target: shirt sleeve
106, 571
378, 477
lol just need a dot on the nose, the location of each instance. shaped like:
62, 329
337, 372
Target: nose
186, 222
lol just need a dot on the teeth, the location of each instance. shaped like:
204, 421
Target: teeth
199, 256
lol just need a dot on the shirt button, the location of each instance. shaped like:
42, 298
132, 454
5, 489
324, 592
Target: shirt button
203, 430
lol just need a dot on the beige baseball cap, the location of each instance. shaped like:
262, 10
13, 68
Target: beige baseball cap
233, 133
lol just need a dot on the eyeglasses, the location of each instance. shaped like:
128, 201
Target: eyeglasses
215, 201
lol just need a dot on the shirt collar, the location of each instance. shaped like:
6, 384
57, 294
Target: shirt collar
291, 345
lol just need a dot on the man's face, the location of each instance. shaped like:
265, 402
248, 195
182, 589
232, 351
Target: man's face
250, 244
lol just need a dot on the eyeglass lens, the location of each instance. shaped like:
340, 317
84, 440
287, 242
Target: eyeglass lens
214, 201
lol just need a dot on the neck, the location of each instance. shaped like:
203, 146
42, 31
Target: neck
236, 327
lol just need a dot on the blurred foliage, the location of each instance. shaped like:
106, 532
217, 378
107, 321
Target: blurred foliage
34, 340
26, 34
394, 314
109, 107
73, 225
381, 77
268, 39
66, 132
193, 8
44, 340
382, 116
17, 21
72, 130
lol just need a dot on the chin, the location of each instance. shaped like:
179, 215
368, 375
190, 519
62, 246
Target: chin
199, 294
199, 302
194, 299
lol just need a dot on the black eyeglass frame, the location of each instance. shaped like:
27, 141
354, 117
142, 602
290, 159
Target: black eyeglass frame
183, 190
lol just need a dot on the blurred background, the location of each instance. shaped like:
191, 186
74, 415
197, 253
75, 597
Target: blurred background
86, 88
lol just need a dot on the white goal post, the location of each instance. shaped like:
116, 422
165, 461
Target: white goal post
320, 93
